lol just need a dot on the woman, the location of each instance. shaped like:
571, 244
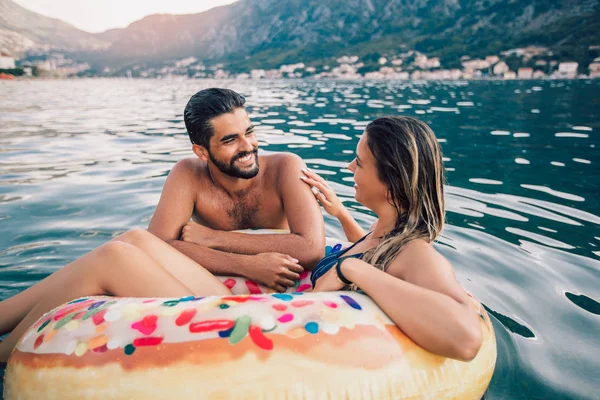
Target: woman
398, 174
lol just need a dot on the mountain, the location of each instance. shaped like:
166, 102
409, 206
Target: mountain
268, 33
21, 29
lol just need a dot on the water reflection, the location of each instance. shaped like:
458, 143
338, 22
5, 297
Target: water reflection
81, 161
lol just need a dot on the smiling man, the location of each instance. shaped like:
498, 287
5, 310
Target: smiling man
226, 187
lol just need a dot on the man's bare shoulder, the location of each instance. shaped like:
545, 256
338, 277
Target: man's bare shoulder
188, 170
282, 165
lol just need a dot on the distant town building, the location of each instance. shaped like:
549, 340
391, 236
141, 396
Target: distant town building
510, 75
423, 62
501, 68
568, 67
347, 59
475, 65
397, 61
382, 60
537, 74
492, 59
286, 69
525, 73
6, 61
595, 66
257, 74
185, 62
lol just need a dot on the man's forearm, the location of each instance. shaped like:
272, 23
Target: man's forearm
215, 261
306, 252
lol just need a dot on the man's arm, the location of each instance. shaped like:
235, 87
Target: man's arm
175, 209
306, 240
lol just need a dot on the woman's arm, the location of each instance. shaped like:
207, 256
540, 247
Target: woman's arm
428, 305
332, 204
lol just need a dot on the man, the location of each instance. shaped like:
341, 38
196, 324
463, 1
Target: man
226, 187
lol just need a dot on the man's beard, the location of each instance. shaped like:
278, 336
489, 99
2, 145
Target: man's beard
232, 170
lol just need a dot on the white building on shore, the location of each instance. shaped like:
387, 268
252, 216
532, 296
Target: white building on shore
6, 61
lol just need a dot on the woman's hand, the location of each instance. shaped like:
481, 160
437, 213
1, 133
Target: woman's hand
323, 193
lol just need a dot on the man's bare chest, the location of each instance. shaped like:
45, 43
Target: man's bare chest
252, 211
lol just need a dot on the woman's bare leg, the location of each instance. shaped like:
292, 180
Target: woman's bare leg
14, 309
117, 269
178, 264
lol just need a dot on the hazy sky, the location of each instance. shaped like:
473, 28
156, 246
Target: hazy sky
100, 15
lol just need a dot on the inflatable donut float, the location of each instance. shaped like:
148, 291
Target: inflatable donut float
299, 345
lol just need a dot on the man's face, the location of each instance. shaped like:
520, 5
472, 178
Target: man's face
233, 146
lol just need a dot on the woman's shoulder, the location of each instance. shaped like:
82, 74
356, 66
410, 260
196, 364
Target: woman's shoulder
419, 257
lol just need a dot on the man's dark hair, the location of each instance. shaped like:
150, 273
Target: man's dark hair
203, 107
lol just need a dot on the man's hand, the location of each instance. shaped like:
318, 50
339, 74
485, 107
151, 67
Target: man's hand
274, 270
198, 234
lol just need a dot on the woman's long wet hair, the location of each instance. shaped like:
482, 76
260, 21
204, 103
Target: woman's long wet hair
409, 162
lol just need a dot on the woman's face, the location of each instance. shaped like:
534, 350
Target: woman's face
370, 190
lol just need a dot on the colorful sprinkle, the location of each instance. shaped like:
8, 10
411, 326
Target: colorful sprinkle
230, 283
285, 318
147, 325
99, 317
101, 349
63, 321
279, 307
242, 324
49, 335
147, 341
303, 275
78, 315
170, 303
351, 302
304, 287
72, 325
283, 296
224, 306
312, 328
81, 349
296, 284
77, 300
253, 287
129, 349
185, 317
225, 334
302, 303
45, 324
38, 341
337, 247
259, 339
187, 298
98, 341
330, 304
149, 301
211, 325
96, 305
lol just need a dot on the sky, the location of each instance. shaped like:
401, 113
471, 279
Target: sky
101, 15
